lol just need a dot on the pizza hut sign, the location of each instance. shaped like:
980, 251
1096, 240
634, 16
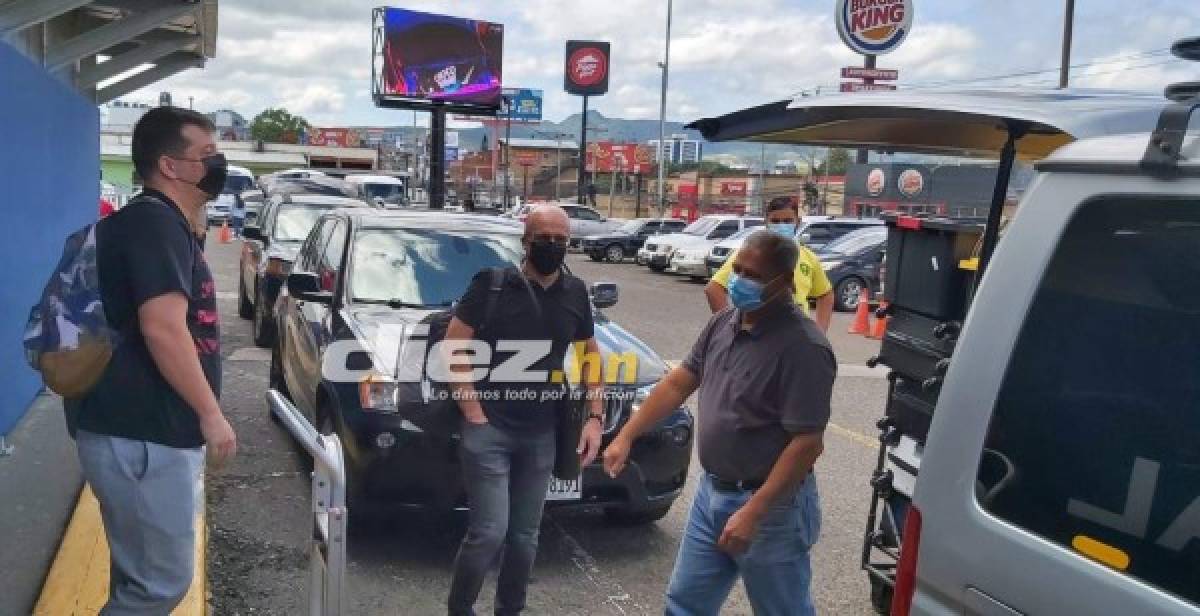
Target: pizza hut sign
587, 68
874, 27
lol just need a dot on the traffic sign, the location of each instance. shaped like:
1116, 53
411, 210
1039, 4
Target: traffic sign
853, 86
878, 74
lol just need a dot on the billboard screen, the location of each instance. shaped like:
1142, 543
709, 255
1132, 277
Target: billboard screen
438, 58
525, 105
339, 137
587, 68
608, 157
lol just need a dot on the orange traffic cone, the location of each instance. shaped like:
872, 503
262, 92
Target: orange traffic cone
861, 324
225, 235
881, 323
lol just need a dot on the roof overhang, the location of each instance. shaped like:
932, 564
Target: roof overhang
160, 37
960, 123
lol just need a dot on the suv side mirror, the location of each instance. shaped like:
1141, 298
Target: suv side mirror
306, 286
604, 294
253, 233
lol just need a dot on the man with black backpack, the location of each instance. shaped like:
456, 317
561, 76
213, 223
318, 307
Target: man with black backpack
141, 429
509, 435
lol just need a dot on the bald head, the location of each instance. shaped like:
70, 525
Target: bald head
547, 221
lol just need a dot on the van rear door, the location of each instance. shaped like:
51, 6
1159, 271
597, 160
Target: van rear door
1062, 470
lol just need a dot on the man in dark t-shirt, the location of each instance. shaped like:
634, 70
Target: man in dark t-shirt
508, 435
140, 431
765, 374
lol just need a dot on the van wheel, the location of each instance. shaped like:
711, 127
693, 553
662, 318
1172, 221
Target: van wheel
619, 516
848, 292
264, 332
658, 268
275, 381
614, 253
881, 597
245, 308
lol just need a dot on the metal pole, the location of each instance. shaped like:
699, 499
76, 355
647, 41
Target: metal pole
557, 166
762, 178
437, 159
662, 117
861, 156
580, 188
1064, 74
507, 154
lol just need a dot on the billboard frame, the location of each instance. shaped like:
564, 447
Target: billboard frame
391, 101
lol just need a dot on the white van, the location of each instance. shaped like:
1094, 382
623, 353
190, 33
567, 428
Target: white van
237, 180
381, 190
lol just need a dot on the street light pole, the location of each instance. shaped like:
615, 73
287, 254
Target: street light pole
1064, 73
662, 116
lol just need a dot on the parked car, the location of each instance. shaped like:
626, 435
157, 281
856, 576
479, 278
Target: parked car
237, 180
586, 221
253, 199
316, 185
362, 272
627, 239
656, 252
817, 231
296, 173
270, 249
853, 263
382, 190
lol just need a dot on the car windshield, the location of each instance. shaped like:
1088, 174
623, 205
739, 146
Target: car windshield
701, 227
424, 267
294, 222
741, 235
857, 241
391, 193
633, 226
236, 184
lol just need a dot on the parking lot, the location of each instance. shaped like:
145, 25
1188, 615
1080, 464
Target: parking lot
258, 506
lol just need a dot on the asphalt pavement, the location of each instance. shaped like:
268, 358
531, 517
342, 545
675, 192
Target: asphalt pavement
259, 504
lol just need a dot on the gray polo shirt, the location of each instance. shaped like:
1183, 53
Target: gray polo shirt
759, 388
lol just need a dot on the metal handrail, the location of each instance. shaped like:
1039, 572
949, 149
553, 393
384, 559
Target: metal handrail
328, 548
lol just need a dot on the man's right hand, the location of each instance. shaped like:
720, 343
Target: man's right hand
615, 456
218, 434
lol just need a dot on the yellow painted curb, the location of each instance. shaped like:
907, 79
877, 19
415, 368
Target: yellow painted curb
77, 584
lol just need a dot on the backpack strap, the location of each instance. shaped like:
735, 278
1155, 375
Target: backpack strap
495, 287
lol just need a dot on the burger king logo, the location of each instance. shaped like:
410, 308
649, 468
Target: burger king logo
874, 27
876, 180
910, 182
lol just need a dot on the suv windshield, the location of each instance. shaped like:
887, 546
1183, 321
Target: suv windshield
423, 267
294, 222
236, 184
857, 241
701, 227
390, 193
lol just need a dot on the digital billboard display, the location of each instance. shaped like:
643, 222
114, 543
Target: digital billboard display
437, 58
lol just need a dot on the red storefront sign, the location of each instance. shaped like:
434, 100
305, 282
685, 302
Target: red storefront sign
733, 189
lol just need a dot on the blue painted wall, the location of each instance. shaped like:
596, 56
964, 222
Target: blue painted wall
49, 186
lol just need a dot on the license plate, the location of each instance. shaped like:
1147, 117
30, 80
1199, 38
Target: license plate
560, 490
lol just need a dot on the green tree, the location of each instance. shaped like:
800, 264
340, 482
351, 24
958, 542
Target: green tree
837, 161
277, 126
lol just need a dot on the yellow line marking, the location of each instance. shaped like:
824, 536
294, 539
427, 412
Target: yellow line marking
77, 584
861, 439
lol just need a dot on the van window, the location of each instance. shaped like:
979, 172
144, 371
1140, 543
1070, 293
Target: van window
1099, 410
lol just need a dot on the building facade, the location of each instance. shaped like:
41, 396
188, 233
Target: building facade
678, 150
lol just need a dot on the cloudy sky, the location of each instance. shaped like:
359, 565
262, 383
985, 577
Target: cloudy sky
313, 56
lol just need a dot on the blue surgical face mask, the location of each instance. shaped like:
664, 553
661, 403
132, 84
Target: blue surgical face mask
745, 294
786, 229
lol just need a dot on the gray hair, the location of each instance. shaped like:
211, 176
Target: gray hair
781, 253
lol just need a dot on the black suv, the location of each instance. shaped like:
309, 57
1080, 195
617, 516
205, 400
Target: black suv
853, 263
628, 238
350, 334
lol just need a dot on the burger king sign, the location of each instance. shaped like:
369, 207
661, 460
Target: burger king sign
874, 27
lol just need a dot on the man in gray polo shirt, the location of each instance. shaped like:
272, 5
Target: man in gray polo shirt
765, 374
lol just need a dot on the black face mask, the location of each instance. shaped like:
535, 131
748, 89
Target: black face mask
215, 170
546, 257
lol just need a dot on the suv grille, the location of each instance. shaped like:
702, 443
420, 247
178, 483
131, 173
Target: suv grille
719, 251
617, 405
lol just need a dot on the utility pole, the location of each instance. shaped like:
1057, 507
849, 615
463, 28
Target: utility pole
1064, 73
662, 117
507, 153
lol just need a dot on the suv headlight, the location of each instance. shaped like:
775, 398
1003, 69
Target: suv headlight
378, 394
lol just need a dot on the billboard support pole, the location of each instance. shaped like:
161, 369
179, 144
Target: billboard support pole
580, 188
861, 156
507, 154
637, 199
437, 158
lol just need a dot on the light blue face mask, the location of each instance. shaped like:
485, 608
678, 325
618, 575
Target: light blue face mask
745, 294
786, 229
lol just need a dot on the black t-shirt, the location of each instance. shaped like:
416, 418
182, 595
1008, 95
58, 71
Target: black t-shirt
145, 250
560, 314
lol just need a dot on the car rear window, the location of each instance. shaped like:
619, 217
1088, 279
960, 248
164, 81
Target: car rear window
1093, 442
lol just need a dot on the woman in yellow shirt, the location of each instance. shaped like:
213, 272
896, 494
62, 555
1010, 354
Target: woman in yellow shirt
809, 281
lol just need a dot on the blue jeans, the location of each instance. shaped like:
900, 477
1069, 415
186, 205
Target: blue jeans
506, 477
775, 568
148, 502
